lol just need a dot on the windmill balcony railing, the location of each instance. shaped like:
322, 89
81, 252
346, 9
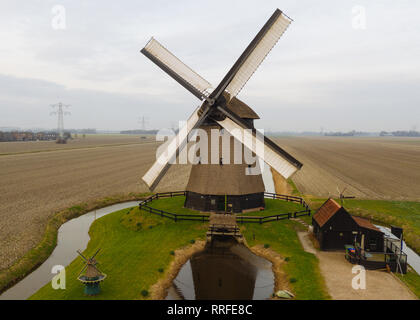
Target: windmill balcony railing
143, 205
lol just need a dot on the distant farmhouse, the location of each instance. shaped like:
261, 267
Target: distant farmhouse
334, 228
410, 133
26, 136
140, 131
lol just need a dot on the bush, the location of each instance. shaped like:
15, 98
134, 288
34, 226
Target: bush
287, 259
160, 270
266, 246
172, 252
192, 241
144, 293
293, 280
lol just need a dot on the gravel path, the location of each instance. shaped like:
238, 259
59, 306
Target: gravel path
337, 272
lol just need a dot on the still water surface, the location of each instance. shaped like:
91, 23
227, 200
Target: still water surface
224, 270
72, 235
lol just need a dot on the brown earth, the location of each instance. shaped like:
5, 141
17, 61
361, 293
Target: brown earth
40, 178
34, 186
90, 140
281, 185
385, 168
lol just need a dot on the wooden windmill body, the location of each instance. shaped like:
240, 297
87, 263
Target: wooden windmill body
224, 185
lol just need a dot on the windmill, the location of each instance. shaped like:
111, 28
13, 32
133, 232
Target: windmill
92, 277
60, 123
223, 184
342, 196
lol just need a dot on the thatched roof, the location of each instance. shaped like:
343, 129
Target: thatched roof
91, 272
227, 179
240, 108
223, 179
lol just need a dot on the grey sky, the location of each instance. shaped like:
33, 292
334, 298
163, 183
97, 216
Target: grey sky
322, 72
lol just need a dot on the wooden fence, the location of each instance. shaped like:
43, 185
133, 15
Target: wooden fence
239, 218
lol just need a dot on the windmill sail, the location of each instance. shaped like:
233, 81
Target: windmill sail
280, 161
232, 83
178, 70
164, 160
253, 55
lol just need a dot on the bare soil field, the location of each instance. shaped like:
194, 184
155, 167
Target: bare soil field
38, 179
384, 168
90, 140
35, 185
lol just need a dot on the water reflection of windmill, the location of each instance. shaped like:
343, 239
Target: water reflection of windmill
223, 184
60, 123
92, 277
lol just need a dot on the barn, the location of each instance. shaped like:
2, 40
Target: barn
334, 227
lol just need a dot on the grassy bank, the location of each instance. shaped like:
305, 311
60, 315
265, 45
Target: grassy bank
412, 280
175, 205
302, 268
36, 256
135, 252
137, 245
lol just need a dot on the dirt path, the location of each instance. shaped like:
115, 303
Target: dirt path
337, 272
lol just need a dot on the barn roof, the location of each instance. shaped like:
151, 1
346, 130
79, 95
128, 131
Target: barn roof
331, 207
365, 224
326, 211
240, 108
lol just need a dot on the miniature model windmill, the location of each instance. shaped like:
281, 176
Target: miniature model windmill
92, 277
213, 187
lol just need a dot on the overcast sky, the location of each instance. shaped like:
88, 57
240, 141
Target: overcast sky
328, 70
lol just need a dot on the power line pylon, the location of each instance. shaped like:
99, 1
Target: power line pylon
60, 122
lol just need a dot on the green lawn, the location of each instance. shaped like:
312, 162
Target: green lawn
37, 255
301, 266
135, 245
131, 257
412, 280
175, 205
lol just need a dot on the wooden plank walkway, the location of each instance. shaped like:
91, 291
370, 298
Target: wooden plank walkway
223, 224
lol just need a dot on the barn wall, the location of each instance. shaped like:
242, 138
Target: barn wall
374, 240
216, 203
